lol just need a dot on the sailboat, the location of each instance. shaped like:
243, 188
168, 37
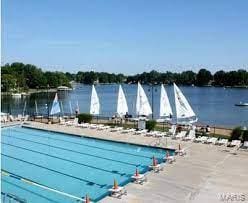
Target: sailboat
143, 107
122, 107
184, 112
94, 103
36, 111
165, 111
36, 108
55, 106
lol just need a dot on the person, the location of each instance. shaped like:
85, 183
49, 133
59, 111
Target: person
208, 130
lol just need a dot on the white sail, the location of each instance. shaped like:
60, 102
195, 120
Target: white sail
55, 107
122, 107
142, 104
94, 103
165, 107
24, 108
70, 107
36, 108
183, 109
62, 108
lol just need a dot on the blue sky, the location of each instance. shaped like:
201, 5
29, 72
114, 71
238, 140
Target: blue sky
128, 36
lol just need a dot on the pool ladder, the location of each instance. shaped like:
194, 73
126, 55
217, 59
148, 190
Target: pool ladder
11, 198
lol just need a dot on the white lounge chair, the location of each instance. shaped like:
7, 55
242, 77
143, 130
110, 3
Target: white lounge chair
94, 126
72, 123
4, 119
19, 117
172, 130
235, 143
212, 140
139, 178
84, 125
61, 121
245, 145
103, 127
222, 142
117, 192
170, 159
151, 133
128, 130
181, 135
159, 134
139, 132
116, 129
156, 168
11, 118
191, 136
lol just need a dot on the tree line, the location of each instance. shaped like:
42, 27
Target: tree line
25, 76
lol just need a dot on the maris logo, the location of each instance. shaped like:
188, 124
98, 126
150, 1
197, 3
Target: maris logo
232, 197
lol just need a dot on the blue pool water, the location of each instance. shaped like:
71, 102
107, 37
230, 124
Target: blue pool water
75, 165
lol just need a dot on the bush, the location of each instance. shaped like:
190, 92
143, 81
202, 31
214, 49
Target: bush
150, 125
245, 135
84, 118
236, 134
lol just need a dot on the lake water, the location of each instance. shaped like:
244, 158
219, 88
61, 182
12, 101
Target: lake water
212, 105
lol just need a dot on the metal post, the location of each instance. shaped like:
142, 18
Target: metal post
48, 119
152, 102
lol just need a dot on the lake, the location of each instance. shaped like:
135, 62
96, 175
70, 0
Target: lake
213, 105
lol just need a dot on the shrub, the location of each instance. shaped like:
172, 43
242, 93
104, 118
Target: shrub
245, 135
236, 134
150, 125
84, 117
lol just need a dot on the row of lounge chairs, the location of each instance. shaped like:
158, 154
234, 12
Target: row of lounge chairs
10, 118
183, 135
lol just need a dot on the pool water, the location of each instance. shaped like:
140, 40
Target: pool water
74, 165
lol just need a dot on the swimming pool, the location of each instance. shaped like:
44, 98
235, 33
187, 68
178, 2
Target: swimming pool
73, 165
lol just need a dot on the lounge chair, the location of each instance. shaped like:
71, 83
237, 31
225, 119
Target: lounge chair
235, 143
212, 140
156, 168
84, 125
172, 130
151, 133
191, 136
245, 145
61, 121
139, 132
25, 118
159, 134
128, 130
72, 123
170, 159
4, 119
103, 127
139, 178
181, 135
202, 139
19, 117
116, 129
11, 118
94, 126
117, 192
222, 142
180, 152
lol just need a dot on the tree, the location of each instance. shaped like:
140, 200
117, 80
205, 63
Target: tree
8, 82
203, 77
219, 78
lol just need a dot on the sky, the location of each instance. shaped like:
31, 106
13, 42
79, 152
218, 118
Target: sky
129, 37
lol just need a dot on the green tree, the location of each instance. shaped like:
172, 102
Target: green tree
203, 77
8, 82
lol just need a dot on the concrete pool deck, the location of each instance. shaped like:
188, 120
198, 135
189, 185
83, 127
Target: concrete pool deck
205, 174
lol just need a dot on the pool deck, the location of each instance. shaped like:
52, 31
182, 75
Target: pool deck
203, 175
